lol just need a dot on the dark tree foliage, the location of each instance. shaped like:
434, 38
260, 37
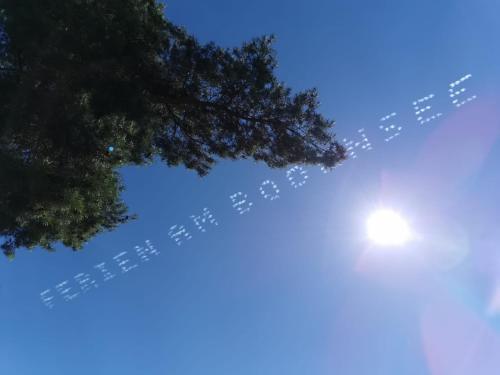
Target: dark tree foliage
77, 76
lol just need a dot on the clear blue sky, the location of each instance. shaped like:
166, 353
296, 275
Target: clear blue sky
293, 287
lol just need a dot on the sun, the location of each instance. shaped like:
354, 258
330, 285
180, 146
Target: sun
387, 228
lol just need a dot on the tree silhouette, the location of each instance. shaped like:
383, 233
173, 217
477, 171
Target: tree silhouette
88, 86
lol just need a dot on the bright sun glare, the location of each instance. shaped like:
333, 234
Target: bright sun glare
387, 228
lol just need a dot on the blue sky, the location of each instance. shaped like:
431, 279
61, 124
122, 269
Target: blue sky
292, 286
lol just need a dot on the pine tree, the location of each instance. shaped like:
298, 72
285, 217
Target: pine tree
88, 86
